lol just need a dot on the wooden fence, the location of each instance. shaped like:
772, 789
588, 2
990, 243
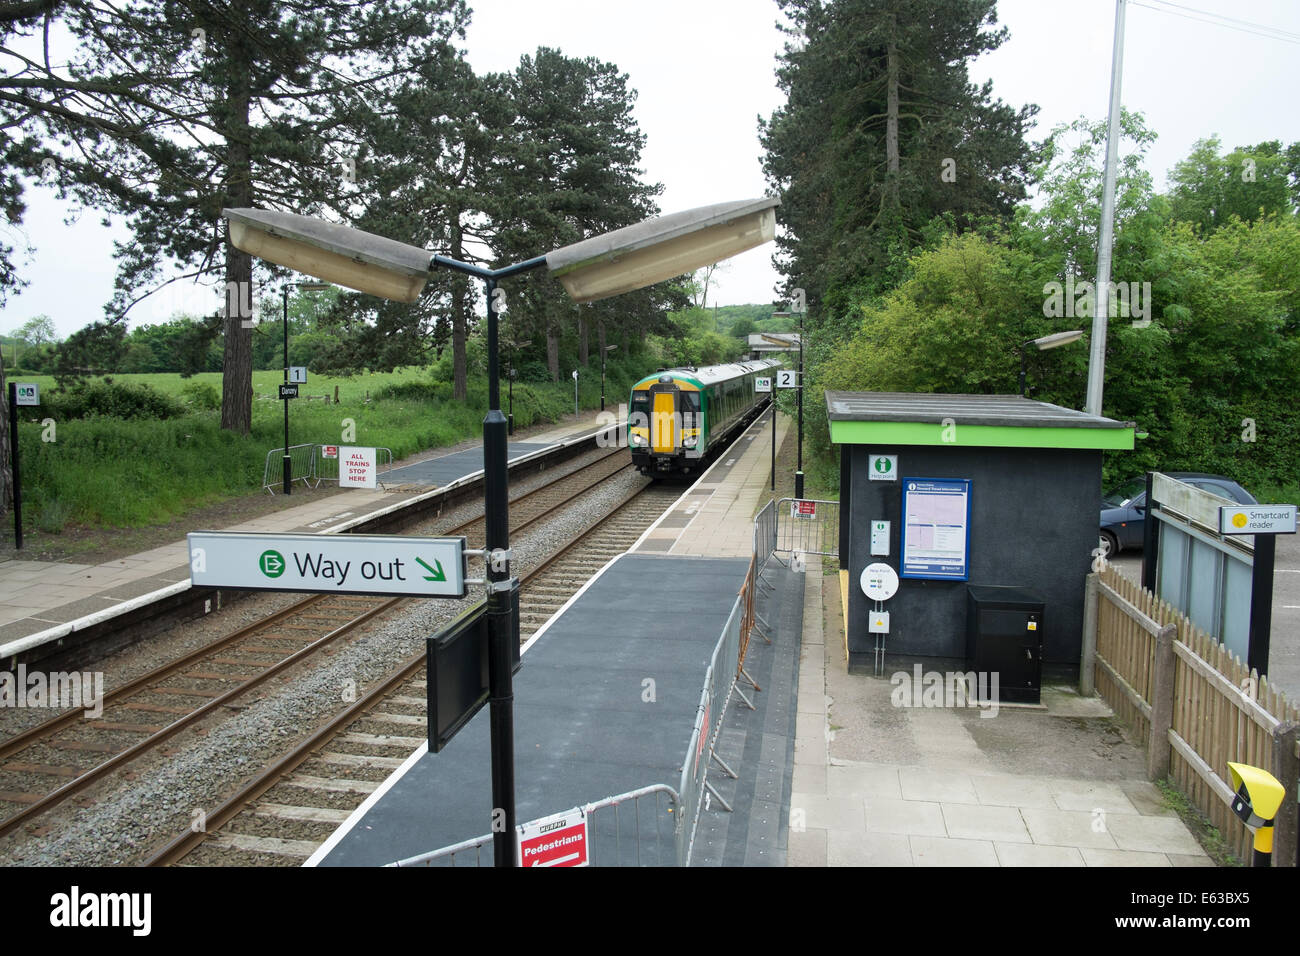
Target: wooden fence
1195, 704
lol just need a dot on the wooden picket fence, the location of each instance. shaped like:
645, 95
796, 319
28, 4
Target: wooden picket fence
1195, 704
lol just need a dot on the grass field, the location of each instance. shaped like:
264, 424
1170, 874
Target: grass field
104, 472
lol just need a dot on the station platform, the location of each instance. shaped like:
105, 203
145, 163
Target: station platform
598, 712
43, 601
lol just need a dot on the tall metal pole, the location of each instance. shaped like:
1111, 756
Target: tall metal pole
501, 694
288, 463
602, 378
798, 475
13, 456
1101, 308
510, 419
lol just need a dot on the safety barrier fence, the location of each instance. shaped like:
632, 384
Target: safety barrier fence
765, 534
617, 835
807, 526
310, 464
301, 460
1193, 702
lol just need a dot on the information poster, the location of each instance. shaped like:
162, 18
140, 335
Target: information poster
936, 528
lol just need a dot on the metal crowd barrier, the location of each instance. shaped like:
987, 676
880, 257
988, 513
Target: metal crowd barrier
617, 835
309, 464
765, 534
807, 526
301, 461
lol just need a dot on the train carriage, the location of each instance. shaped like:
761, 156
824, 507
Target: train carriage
678, 418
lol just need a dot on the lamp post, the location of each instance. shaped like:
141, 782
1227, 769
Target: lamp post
603, 352
798, 474
575, 391
287, 474
1043, 344
593, 269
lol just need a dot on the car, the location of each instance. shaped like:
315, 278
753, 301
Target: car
1123, 508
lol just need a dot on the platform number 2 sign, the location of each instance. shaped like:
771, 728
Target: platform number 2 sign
787, 378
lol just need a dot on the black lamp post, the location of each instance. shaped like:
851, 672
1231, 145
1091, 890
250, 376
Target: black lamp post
287, 475
596, 268
606, 349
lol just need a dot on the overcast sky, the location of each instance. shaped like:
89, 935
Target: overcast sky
704, 71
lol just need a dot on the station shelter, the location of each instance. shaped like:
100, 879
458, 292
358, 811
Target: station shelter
958, 504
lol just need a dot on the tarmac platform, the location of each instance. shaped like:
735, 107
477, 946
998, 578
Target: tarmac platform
443, 470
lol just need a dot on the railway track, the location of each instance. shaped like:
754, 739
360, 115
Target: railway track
45, 765
281, 816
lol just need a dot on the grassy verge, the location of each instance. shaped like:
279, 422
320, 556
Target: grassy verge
1206, 834
104, 472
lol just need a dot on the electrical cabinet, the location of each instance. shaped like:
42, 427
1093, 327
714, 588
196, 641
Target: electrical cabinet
1004, 636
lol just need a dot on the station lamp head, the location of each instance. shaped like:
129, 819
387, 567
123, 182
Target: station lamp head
337, 254
1057, 339
659, 249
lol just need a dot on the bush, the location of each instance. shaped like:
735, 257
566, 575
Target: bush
201, 395
111, 399
415, 392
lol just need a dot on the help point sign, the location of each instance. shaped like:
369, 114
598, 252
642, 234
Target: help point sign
356, 467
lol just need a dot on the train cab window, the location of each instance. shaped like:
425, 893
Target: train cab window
689, 403
639, 412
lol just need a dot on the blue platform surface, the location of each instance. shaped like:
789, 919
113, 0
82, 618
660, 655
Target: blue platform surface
436, 472
605, 702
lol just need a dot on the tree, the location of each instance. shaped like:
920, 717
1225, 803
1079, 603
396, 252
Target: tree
1250, 183
882, 132
171, 112
38, 330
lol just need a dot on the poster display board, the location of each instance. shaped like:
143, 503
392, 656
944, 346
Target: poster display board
936, 528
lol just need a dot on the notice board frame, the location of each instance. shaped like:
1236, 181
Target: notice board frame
920, 570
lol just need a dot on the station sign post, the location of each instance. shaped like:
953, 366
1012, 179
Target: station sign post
27, 394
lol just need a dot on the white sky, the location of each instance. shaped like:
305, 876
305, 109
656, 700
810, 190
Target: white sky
704, 71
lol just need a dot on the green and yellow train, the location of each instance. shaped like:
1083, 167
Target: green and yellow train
679, 418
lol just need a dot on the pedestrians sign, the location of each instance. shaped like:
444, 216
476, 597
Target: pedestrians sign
763, 384
787, 378
27, 393
356, 467
288, 391
884, 468
1257, 519
557, 840
334, 564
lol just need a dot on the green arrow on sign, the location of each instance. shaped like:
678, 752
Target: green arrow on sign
434, 574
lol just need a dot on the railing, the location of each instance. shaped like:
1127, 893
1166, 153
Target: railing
765, 534
806, 526
616, 838
309, 464
301, 462
1196, 705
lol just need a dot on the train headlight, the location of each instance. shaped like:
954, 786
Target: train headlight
690, 442
638, 441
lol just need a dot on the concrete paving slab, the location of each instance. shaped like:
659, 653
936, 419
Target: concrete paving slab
1031, 854
943, 851
826, 813
938, 786
1096, 856
1080, 795
807, 848
1067, 828
1009, 791
973, 822
863, 780
1151, 834
854, 848
911, 817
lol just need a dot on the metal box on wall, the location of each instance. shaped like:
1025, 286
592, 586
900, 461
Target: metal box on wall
1004, 636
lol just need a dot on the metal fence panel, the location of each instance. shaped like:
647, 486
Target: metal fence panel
327, 469
301, 458
637, 828
765, 533
808, 526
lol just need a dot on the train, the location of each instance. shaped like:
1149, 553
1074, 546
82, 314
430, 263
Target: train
679, 418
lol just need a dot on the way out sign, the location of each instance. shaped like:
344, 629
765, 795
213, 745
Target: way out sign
557, 840
331, 564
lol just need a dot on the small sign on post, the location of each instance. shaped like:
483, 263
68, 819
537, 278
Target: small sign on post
27, 393
1257, 519
787, 378
298, 374
288, 391
763, 384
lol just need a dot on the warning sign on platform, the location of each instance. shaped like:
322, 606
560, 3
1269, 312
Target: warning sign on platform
329, 451
558, 840
356, 467
803, 509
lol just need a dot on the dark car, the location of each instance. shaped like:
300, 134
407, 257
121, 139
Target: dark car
1123, 509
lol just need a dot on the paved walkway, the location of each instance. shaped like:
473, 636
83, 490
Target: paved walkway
879, 785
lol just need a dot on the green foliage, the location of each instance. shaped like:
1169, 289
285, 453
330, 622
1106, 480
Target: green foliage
201, 395
1250, 182
108, 399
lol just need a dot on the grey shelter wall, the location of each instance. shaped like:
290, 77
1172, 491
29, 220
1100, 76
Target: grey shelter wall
1033, 524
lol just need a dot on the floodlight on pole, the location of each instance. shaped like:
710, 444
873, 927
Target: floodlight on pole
1043, 343
595, 268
